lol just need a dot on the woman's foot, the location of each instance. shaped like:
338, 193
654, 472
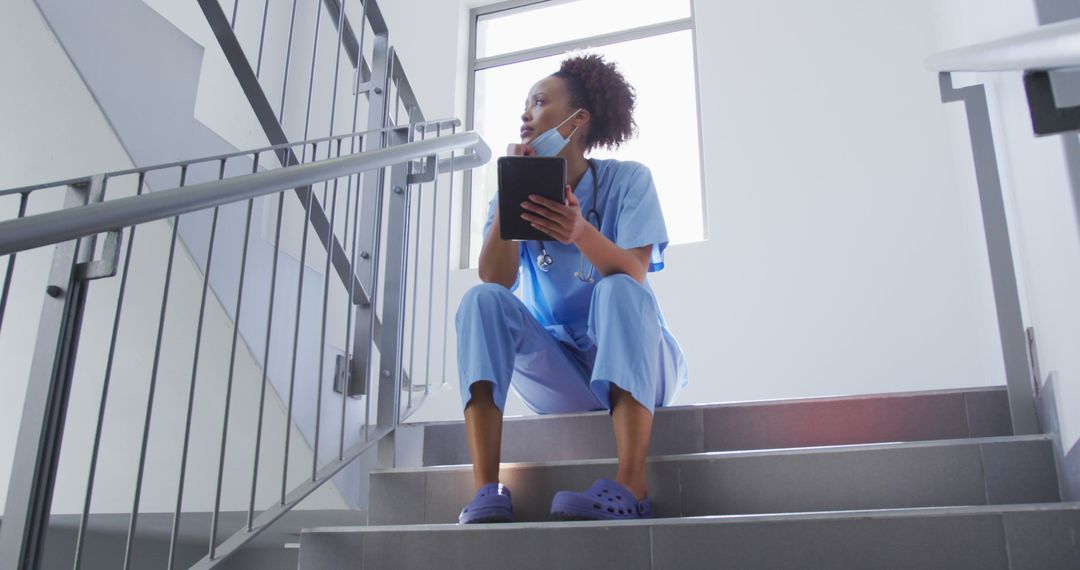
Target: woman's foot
605, 500
490, 505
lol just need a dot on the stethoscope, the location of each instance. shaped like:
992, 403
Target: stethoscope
544, 261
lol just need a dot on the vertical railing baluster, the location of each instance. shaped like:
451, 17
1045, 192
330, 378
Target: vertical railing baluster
23, 199
133, 521
406, 276
311, 74
232, 369
322, 334
232, 21
360, 52
296, 339
266, 357
333, 104
337, 68
431, 267
106, 382
397, 103
262, 39
191, 388
416, 271
347, 382
446, 288
285, 78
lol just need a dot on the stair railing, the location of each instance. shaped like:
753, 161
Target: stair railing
1037, 53
241, 184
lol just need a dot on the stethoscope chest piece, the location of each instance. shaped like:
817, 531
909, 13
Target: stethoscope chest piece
544, 261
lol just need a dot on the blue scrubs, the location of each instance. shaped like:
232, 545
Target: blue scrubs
563, 344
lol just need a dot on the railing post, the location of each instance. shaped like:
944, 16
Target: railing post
370, 222
1002, 272
393, 314
37, 452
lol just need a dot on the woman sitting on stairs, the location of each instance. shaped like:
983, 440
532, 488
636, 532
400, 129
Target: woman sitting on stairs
580, 339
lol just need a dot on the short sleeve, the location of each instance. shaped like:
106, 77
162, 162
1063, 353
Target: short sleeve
487, 226
640, 220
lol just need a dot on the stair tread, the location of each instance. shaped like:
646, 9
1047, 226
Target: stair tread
737, 403
707, 455
763, 424
1015, 537
941, 511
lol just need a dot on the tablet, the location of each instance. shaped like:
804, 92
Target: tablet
520, 176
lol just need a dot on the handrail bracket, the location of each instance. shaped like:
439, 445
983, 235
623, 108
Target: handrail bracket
1046, 117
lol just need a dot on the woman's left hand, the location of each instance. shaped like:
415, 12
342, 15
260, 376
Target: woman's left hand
563, 222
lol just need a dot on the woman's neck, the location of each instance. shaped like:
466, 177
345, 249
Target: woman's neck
576, 165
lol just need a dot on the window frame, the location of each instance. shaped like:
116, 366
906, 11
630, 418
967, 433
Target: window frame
475, 65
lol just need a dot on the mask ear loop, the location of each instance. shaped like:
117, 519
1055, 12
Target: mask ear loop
574, 114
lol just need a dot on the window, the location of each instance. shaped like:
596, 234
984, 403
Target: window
517, 43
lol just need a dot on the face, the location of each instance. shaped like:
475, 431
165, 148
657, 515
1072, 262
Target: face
547, 105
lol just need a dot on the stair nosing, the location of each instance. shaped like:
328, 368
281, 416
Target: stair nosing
738, 403
706, 455
936, 511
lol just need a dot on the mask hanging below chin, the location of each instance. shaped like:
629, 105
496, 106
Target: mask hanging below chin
551, 142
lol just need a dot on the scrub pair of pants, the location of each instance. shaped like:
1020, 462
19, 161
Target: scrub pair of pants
500, 341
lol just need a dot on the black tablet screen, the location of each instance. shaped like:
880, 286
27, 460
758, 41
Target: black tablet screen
520, 176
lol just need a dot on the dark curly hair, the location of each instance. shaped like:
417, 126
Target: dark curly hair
599, 87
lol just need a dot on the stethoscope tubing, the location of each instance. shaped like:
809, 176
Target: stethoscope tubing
544, 261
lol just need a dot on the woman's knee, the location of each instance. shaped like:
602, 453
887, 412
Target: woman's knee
484, 295
620, 285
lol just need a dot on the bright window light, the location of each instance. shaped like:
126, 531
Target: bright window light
554, 22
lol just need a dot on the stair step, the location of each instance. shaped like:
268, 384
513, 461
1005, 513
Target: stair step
911, 416
1017, 537
979, 471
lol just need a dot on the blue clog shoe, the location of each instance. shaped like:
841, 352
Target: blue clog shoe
490, 505
605, 500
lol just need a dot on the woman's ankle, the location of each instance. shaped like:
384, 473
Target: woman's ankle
636, 485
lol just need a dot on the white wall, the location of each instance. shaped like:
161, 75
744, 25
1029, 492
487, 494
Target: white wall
1042, 212
846, 252
53, 129
845, 255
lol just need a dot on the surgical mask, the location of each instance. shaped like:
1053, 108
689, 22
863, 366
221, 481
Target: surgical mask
551, 142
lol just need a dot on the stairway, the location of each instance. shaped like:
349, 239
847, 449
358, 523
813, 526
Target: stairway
913, 480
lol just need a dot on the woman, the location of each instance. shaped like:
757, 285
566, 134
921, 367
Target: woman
589, 334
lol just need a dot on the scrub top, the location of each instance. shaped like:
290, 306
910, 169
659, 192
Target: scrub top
630, 216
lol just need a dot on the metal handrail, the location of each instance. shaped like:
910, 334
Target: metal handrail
422, 126
63, 225
1055, 46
